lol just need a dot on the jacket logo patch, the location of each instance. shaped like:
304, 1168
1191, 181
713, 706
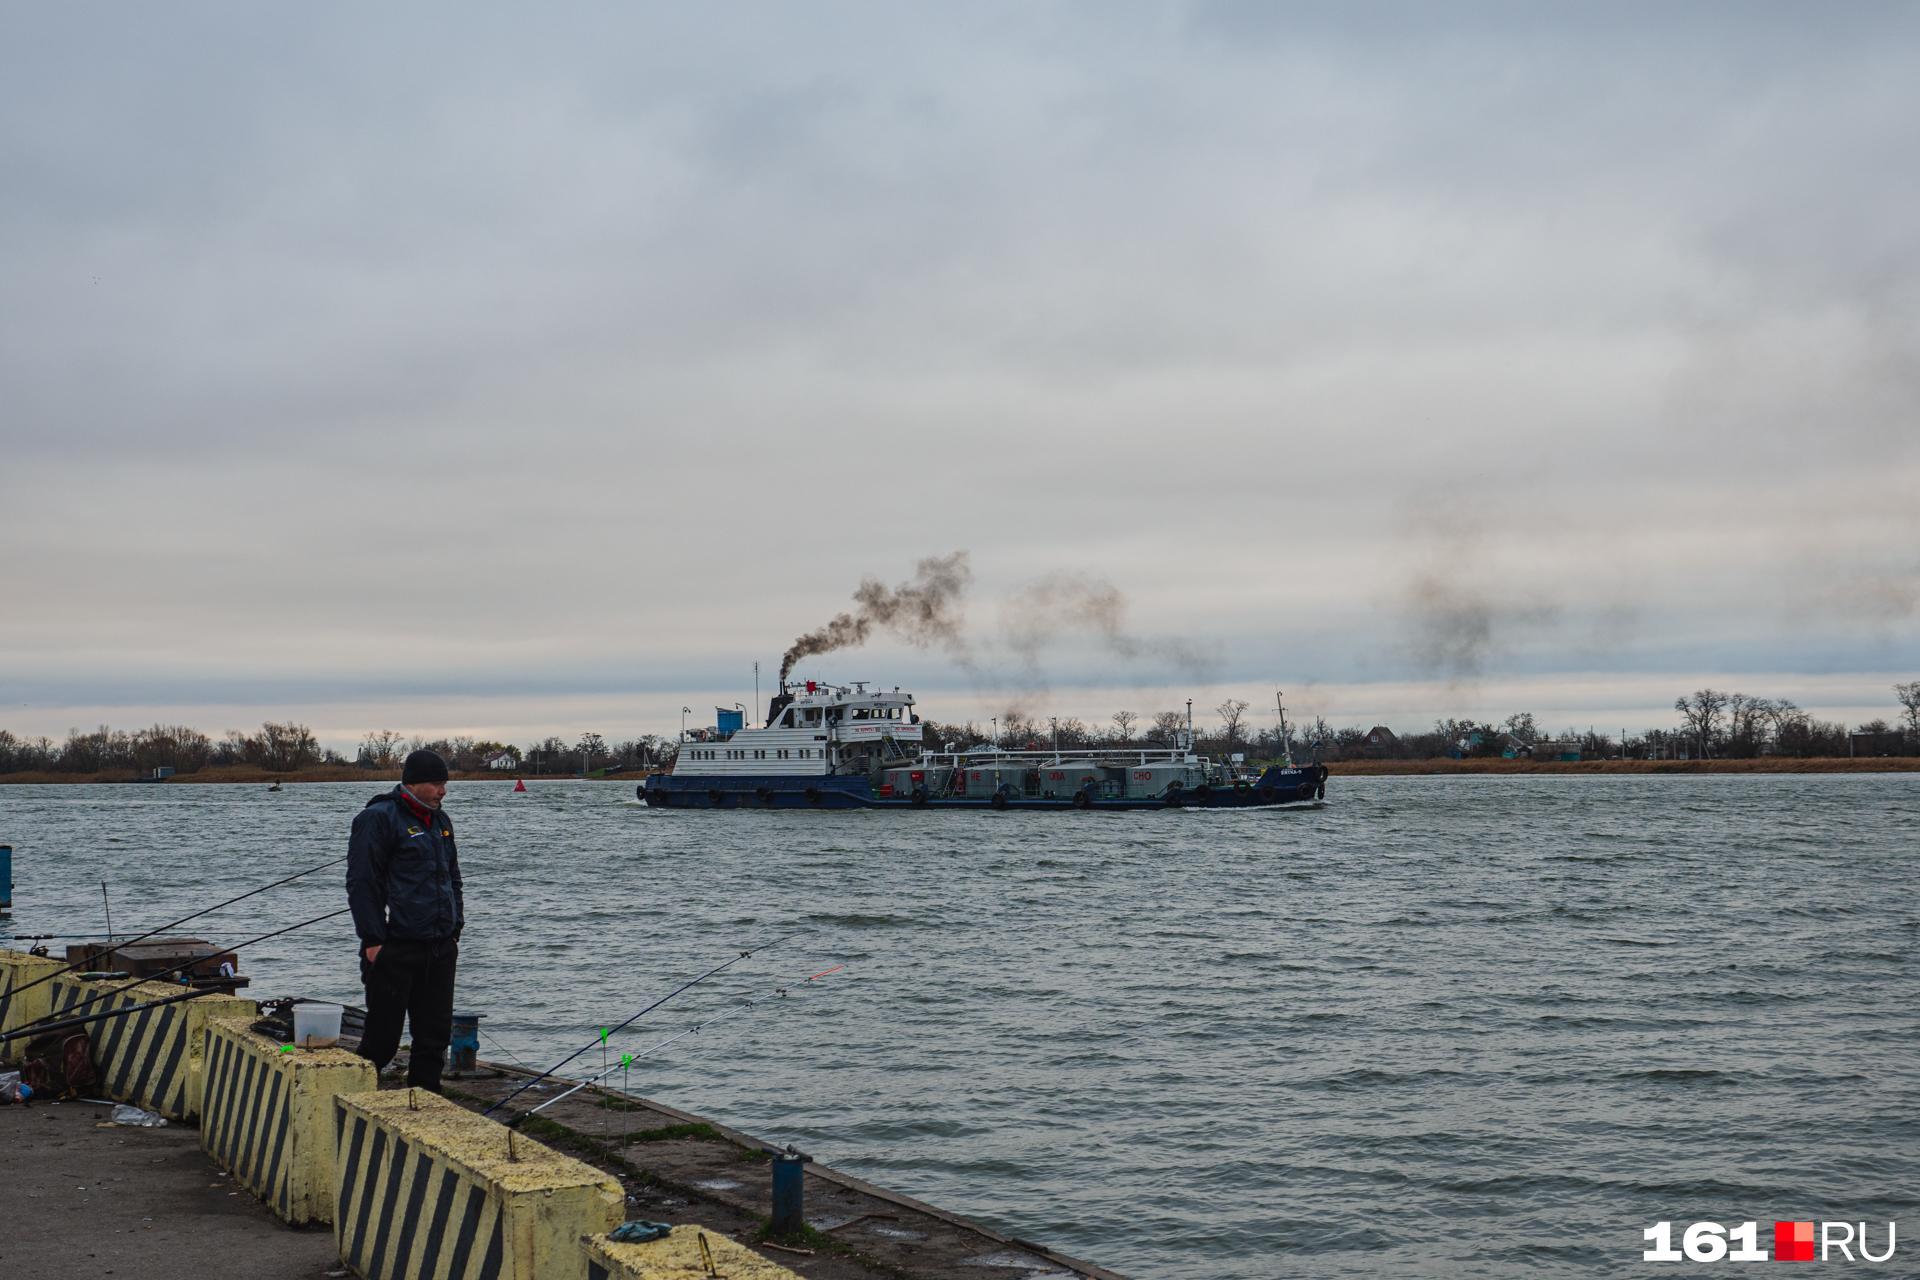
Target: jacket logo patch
414, 831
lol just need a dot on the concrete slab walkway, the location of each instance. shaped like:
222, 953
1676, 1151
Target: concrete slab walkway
79, 1201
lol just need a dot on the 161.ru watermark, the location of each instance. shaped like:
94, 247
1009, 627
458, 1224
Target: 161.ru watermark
1792, 1242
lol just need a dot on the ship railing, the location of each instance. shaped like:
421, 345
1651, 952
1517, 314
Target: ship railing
1097, 755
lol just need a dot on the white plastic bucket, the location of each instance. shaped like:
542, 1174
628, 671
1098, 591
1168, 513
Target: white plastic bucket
316, 1026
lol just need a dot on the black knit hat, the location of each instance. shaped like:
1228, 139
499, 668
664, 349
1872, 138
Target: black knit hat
424, 766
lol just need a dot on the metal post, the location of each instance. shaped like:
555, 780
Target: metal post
789, 1192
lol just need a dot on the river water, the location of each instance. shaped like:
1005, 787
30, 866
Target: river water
1445, 1026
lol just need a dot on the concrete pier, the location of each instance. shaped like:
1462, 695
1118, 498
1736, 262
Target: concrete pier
403, 1184
84, 1201
676, 1166
89, 1199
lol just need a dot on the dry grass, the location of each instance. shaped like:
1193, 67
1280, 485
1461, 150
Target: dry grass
318, 773
1875, 764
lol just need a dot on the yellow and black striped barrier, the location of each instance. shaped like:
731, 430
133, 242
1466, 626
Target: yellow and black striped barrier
17, 1007
267, 1116
680, 1256
152, 1058
426, 1190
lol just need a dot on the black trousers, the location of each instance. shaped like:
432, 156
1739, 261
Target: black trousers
411, 981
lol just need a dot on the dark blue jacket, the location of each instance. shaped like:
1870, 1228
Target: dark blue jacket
403, 873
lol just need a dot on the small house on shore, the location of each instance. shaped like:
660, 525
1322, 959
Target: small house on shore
1379, 743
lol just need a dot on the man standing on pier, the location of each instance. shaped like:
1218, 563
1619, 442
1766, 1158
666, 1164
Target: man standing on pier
403, 883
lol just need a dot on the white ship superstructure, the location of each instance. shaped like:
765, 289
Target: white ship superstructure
815, 729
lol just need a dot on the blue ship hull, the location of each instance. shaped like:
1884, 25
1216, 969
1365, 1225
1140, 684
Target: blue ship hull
1306, 784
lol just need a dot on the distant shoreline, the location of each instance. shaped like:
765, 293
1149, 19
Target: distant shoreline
1811, 764
252, 776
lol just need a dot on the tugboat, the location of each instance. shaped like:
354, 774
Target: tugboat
845, 747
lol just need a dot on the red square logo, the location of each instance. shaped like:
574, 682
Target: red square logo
1793, 1242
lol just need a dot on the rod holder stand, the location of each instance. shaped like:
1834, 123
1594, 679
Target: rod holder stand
789, 1192
463, 1049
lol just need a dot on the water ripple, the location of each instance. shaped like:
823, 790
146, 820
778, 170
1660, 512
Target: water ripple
1474, 1026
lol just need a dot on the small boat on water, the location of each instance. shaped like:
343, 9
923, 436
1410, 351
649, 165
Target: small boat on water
845, 747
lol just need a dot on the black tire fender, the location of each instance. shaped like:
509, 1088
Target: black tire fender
813, 795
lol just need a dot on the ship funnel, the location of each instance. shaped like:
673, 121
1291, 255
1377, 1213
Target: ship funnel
778, 703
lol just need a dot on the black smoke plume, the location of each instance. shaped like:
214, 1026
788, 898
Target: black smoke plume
1062, 602
1461, 612
923, 612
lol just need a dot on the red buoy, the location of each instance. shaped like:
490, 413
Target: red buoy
519, 784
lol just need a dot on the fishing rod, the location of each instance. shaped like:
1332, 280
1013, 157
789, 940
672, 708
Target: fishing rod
630, 1021
165, 973
45, 1029
78, 964
628, 1059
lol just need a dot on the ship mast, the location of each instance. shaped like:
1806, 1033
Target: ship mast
1286, 739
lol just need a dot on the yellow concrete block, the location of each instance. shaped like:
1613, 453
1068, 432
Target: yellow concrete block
424, 1188
154, 1058
677, 1257
18, 1007
267, 1116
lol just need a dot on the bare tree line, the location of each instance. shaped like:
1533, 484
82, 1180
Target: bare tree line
284, 748
1712, 724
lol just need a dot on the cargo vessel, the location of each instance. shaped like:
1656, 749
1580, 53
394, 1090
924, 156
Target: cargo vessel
847, 747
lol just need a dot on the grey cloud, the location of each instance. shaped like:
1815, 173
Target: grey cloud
643, 329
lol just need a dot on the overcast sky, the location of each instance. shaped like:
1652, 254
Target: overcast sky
449, 371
